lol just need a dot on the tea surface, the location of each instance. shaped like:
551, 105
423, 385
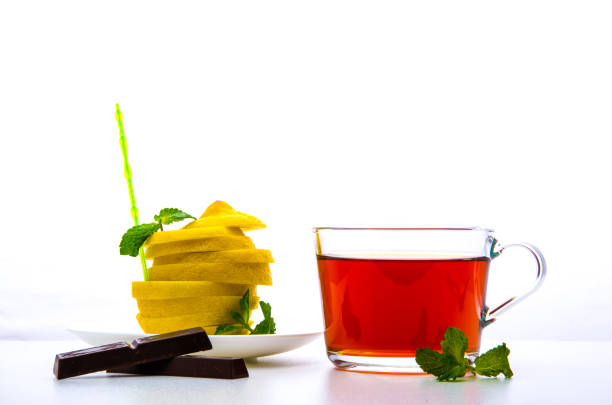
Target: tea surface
391, 307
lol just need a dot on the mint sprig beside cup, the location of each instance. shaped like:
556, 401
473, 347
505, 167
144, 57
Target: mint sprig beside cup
452, 364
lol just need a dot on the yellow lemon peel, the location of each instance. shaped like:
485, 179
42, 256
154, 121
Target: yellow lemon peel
173, 323
191, 305
240, 273
221, 213
200, 245
178, 289
226, 256
191, 234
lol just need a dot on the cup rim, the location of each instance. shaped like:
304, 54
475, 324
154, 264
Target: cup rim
409, 228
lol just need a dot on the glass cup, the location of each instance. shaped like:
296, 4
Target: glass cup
388, 291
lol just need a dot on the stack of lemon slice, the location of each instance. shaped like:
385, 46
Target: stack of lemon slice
201, 271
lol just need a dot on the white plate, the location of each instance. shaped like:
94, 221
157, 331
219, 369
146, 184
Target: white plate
223, 346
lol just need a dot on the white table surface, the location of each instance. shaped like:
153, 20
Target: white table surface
546, 372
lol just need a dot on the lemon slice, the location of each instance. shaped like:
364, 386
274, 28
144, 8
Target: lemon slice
199, 245
173, 323
178, 289
239, 273
221, 213
211, 306
227, 256
190, 234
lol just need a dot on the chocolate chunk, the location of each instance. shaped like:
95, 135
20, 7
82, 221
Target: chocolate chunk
190, 366
121, 354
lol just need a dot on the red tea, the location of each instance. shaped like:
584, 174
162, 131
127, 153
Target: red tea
391, 307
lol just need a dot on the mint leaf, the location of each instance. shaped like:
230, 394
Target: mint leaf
433, 362
238, 318
266, 309
455, 372
221, 329
451, 363
170, 215
267, 326
245, 306
133, 239
443, 365
494, 362
455, 343
244, 315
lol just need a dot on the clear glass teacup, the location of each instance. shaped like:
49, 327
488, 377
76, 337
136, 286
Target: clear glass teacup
387, 292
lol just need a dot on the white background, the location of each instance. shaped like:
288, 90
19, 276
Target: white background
304, 113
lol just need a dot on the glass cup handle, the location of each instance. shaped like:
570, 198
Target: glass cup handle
486, 315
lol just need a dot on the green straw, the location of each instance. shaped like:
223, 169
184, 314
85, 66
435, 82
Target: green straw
128, 178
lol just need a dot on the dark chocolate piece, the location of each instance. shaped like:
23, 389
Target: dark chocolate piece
121, 354
190, 366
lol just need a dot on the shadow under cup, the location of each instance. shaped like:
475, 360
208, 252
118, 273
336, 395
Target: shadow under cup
388, 292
